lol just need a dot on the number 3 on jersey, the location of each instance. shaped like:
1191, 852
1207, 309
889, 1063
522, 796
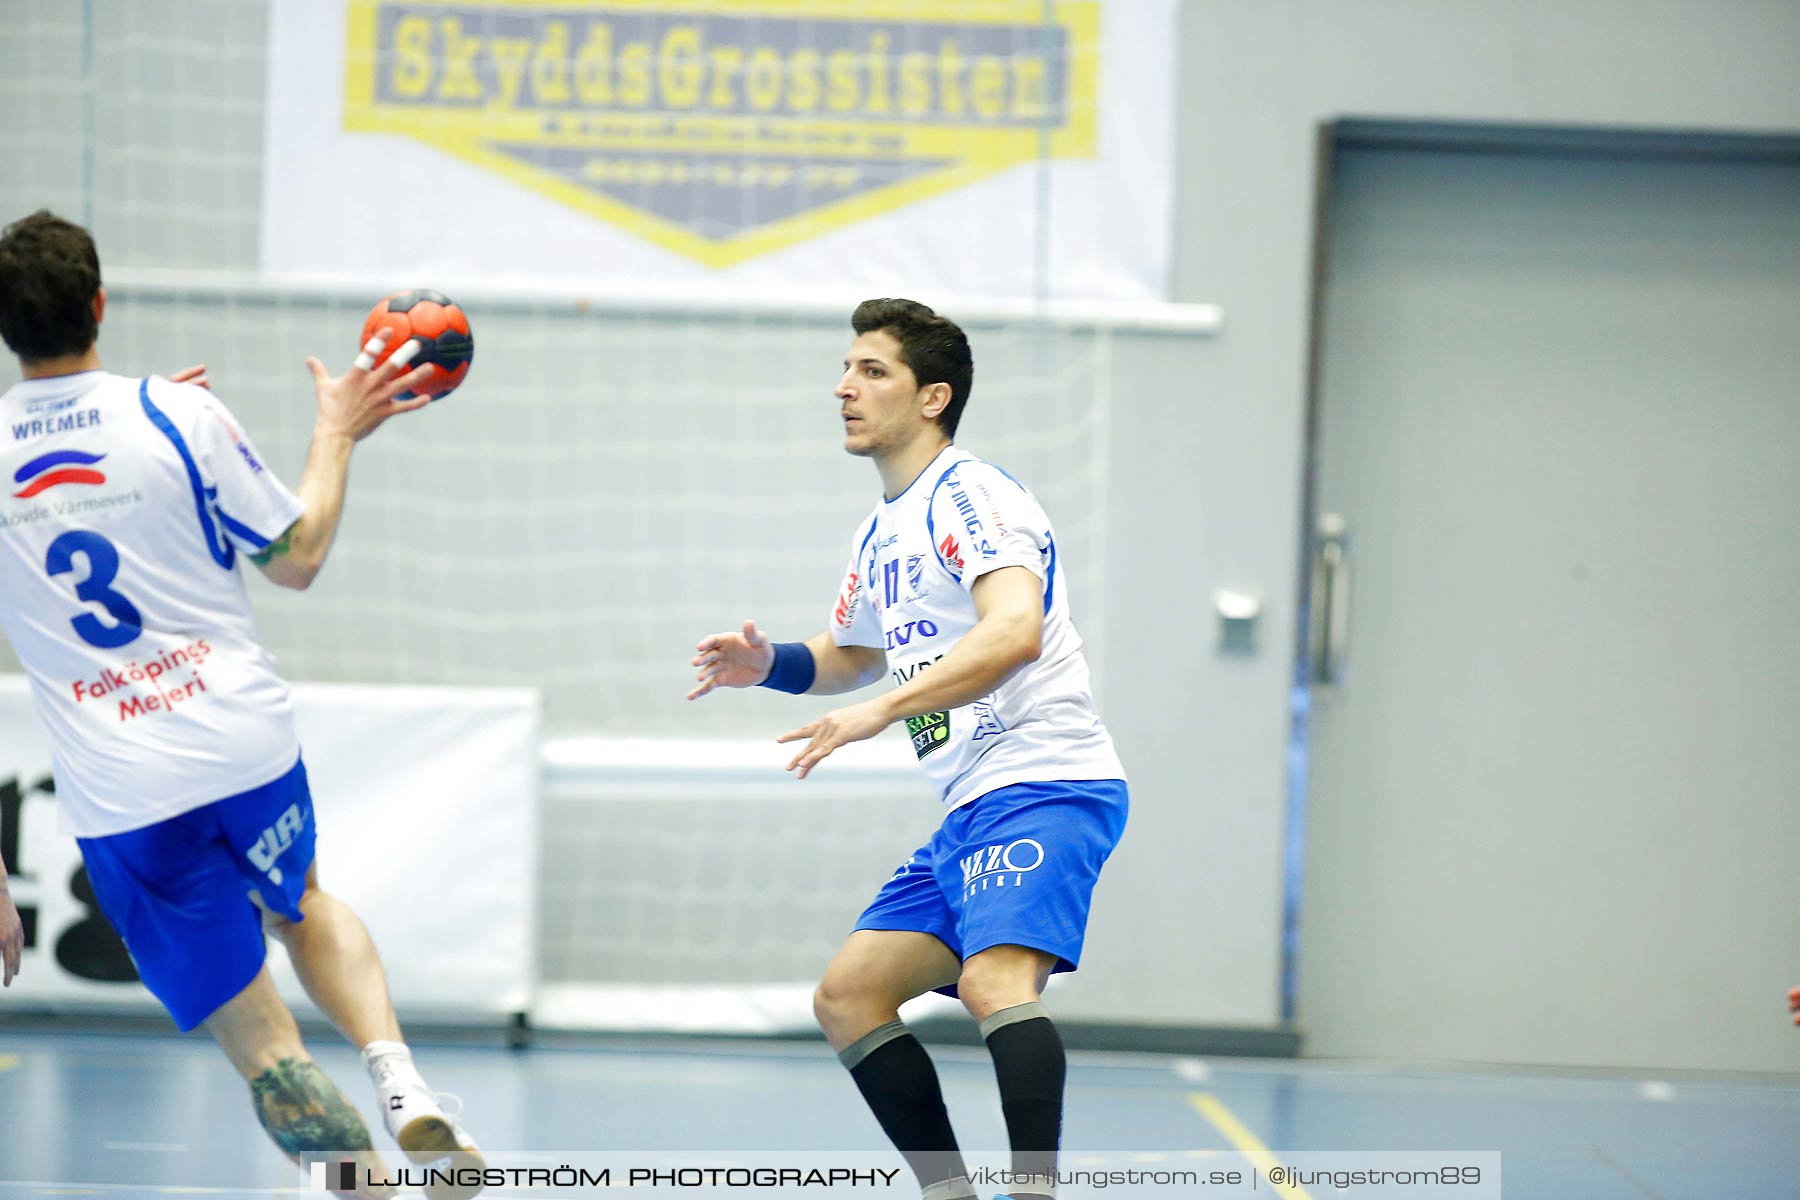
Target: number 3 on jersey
103, 566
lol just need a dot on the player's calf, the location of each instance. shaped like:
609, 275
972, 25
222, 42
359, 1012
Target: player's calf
1000, 987
299, 1107
857, 1004
306, 1115
1030, 1067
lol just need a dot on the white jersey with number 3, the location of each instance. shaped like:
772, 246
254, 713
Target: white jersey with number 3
907, 591
124, 504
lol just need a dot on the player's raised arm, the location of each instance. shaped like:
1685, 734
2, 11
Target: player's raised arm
818, 666
351, 407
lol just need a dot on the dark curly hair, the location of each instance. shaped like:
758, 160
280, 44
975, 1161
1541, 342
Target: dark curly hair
49, 273
934, 347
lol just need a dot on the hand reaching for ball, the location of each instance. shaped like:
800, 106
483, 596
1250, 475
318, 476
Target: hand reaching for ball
354, 404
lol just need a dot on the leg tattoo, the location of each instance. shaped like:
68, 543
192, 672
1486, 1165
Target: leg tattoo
304, 1111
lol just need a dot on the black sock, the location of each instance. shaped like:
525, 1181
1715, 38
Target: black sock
896, 1078
1030, 1066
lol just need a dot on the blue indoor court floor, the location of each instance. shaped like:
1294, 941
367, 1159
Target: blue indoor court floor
140, 1115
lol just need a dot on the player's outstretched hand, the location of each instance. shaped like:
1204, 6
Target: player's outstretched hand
836, 728
1794, 1004
739, 659
12, 937
195, 375
358, 401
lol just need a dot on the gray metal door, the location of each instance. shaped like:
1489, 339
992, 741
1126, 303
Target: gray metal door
1554, 804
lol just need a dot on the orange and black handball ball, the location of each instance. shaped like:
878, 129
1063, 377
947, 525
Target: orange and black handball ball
438, 325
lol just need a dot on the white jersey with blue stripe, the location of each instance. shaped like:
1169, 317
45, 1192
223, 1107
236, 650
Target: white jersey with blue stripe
907, 592
124, 507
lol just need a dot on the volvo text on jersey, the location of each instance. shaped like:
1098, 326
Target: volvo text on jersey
907, 591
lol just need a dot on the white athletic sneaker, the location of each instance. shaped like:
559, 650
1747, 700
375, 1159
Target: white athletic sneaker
434, 1141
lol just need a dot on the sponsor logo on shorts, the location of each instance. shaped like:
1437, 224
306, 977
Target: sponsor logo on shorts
1001, 866
929, 732
274, 842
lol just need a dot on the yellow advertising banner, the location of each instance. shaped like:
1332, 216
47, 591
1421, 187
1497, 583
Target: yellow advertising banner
728, 131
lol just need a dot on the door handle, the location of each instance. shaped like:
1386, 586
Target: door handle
1328, 627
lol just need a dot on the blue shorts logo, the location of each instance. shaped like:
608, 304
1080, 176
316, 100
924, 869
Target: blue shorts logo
996, 863
274, 841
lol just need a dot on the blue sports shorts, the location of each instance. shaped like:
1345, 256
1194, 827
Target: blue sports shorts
1016, 866
178, 891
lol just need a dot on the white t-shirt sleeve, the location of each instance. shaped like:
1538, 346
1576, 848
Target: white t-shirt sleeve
853, 620
253, 506
982, 520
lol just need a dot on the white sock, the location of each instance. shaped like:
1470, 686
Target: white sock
391, 1067
399, 1087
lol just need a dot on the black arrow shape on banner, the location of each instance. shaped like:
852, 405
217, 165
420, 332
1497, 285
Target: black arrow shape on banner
91, 948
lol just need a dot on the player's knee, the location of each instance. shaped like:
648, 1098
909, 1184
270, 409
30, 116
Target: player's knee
986, 987
830, 1003
840, 1001
974, 988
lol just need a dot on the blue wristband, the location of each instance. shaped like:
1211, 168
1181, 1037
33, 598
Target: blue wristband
793, 669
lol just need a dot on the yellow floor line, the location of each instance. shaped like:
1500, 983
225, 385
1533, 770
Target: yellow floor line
8, 1061
1239, 1135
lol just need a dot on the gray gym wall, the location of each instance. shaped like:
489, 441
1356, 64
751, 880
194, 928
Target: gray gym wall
1255, 80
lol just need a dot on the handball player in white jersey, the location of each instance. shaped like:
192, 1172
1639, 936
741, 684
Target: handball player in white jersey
954, 592
125, 506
